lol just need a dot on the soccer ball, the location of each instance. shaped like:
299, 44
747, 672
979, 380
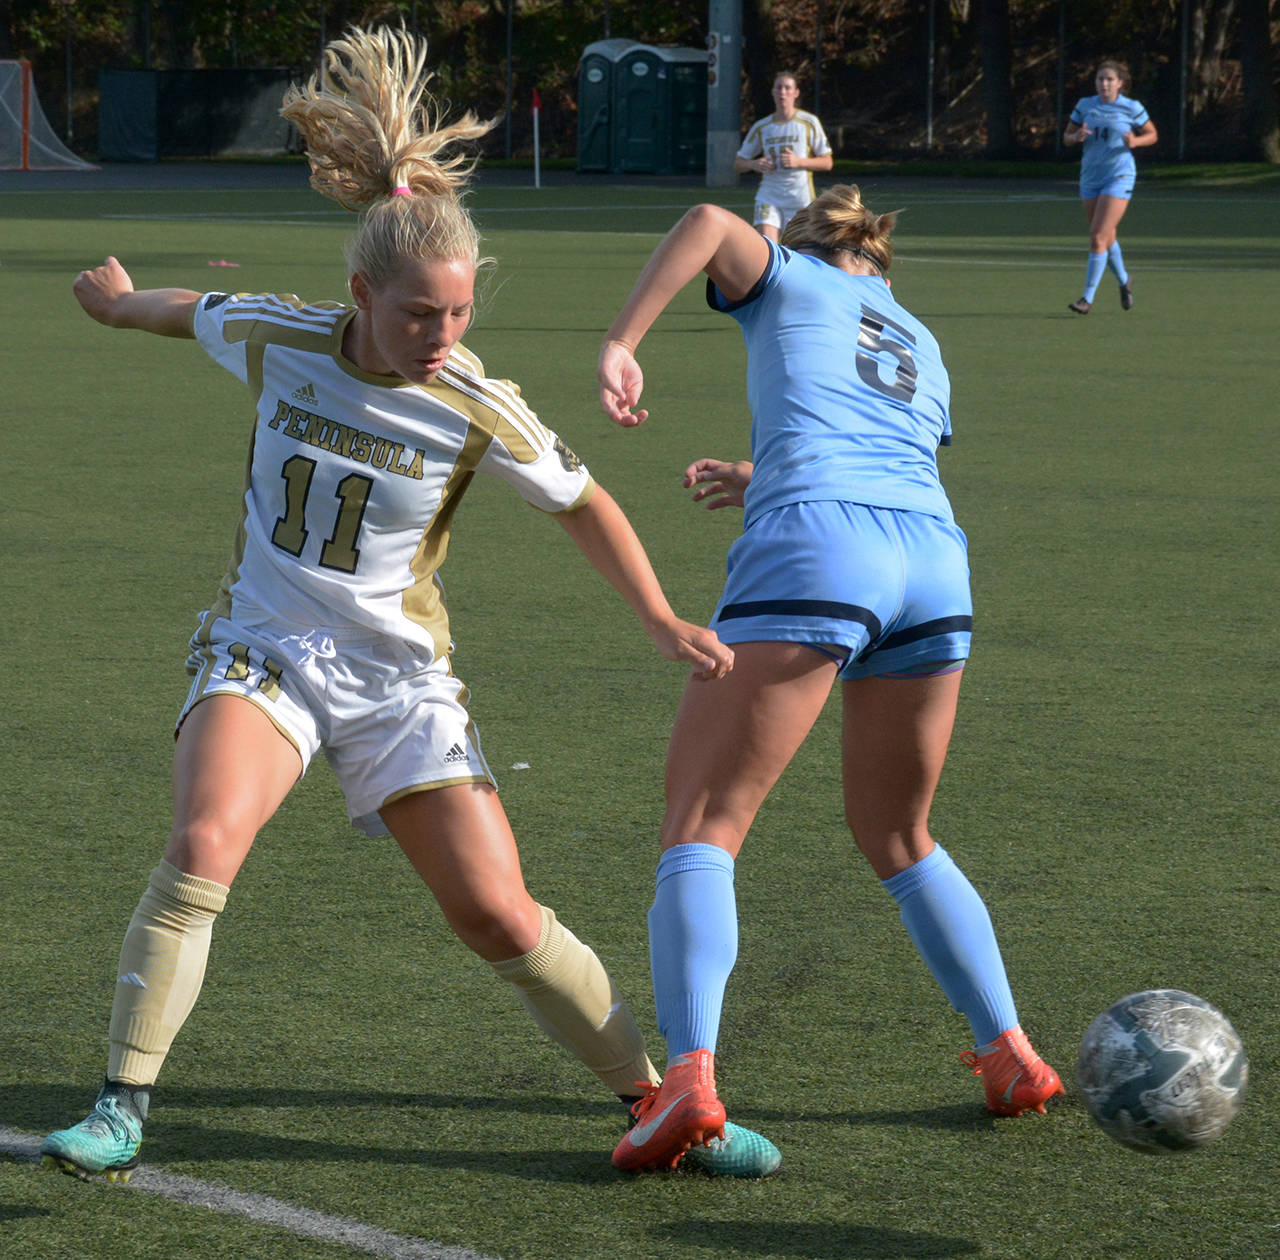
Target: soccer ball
1162, 1070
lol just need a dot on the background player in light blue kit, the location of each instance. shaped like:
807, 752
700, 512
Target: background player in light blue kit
850, 566
1109, 126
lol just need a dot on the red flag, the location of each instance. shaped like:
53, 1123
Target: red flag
537, 100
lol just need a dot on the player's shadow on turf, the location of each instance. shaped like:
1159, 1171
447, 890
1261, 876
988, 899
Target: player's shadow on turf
958, 1117
177, 1133
178, 1144
18, 1212
814, 1240
41, 1106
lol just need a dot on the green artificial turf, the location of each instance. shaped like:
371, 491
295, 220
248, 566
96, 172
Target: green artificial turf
1111, 789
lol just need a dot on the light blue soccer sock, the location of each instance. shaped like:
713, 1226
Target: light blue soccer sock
1093, 274
693, 944
1115, 260
951, 928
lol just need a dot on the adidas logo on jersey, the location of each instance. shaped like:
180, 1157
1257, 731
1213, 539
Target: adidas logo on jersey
305, 393
455, 754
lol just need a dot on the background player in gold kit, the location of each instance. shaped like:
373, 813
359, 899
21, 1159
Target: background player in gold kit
785, 147
330, 630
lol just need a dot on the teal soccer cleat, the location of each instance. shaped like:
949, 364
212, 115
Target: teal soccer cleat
740, 1153
104, 1144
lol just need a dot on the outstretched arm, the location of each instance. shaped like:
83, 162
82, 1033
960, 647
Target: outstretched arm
708, 238
604, 535
108, 295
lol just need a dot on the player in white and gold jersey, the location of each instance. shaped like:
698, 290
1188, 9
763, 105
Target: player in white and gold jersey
330, 630
785, 147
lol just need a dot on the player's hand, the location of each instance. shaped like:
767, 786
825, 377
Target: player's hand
621, 384
1127, 139
724, 483
695, 645
764, 164
100, 288
787, 159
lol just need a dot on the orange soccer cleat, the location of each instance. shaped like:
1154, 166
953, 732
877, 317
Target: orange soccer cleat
1016, 1078
671, 1117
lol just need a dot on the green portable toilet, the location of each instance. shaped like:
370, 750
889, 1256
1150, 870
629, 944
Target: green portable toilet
596, 70
660, 111
687, 133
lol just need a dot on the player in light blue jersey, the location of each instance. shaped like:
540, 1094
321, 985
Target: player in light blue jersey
851, 567
1109, 126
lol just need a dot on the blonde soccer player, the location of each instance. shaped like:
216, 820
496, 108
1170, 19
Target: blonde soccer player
330, 629
784, 148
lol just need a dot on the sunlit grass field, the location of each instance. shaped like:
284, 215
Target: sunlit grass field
1111, 790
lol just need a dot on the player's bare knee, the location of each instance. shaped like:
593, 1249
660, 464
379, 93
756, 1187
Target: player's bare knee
203, 845
498, 931
891, 850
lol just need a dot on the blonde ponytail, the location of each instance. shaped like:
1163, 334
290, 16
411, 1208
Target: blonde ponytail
377, 143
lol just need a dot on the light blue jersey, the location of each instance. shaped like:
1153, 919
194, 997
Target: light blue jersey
849, 398
1105, 158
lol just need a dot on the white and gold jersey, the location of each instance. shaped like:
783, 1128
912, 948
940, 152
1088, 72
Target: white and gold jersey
353, 479
803, 136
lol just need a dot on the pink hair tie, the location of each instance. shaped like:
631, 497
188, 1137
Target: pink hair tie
402, 190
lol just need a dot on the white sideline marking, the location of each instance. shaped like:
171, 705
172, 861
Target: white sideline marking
264, 1210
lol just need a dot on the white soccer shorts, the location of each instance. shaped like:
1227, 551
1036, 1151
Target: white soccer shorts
390, 720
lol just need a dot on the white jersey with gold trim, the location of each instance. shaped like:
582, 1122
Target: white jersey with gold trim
801, 133
353, 478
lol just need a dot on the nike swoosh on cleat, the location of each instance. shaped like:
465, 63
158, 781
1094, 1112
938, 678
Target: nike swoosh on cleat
1007, 1096
643, 1132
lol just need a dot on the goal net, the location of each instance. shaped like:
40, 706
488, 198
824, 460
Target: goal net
27, 142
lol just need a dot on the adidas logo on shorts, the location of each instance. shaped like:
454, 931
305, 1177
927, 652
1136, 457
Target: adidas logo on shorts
305, 393
455, 754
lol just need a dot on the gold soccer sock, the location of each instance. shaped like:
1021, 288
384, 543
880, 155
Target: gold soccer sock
162, 964
566, 989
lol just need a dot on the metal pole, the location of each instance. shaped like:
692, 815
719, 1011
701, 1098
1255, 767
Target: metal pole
817, 65
1182, 86
724, 87
511, 12
1062, 78
928, 81
70, 127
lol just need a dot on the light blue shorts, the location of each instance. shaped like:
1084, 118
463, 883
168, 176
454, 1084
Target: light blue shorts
1121, 188
888, 589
